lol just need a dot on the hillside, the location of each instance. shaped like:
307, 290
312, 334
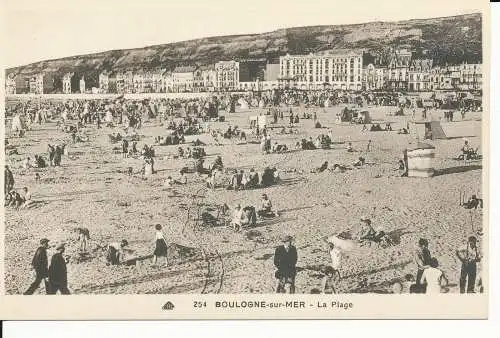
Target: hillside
446, 40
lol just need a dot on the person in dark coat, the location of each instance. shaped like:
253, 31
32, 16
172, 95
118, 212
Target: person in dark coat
58, 274
40, 264
285, 260
9, 180
51, 151
58, 152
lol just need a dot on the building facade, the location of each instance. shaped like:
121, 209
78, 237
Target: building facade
82, 85
41, 83
227, 75
184, 79
104, 82
125, 82
374, 78
470, 77
419, 77
398, 69
167, 85
66, 83
342, 71
10, 84
209, 77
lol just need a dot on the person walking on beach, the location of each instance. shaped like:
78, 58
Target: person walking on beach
422, 258
58, 273
433, 277
40, 265
285, 260
469, 256
160, 246
368, 145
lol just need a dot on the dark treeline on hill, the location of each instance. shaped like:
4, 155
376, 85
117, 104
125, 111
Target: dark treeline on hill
447, 40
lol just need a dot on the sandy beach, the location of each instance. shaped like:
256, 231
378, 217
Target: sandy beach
92, 189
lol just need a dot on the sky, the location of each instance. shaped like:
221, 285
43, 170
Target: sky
37, 30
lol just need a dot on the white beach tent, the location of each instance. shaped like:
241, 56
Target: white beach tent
18, 123
243, 103
427, 130
262, 121
109, 117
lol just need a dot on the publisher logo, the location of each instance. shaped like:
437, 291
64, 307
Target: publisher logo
168, 306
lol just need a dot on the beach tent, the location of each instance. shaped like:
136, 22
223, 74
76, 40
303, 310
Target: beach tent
262, 121
365, 116
428, 130
243, 103
18, 123
109, 117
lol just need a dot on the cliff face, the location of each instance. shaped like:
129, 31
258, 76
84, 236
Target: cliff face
446, 40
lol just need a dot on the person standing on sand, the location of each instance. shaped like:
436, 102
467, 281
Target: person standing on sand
422, 258
9, 180
40, 264
51, 151
368, 146
285, 260
432, 278
58, 273
160, 246
469, 256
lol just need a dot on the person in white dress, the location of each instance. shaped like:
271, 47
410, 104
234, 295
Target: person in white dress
433, 278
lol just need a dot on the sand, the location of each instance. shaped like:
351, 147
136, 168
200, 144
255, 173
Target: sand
91, 189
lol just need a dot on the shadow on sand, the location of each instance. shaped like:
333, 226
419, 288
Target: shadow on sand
456, 170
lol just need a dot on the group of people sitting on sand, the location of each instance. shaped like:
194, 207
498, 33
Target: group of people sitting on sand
252, 180
18, 200
195, 152
468, 152
182, 179
234, 132
247, 216
172, 139
377, 127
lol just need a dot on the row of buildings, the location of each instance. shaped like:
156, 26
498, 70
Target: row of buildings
42, 83
345, 71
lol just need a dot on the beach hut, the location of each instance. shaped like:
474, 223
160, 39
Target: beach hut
428, 130
420, 160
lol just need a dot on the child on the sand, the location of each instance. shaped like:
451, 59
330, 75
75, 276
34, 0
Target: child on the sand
160, 246
328, 283
83, 237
